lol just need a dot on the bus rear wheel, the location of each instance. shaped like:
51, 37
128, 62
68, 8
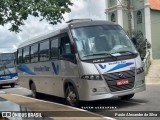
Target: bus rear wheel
33, 89
12, 85
126, 97
71, 96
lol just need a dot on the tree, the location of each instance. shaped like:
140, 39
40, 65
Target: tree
16, 12
142, 43
129, 18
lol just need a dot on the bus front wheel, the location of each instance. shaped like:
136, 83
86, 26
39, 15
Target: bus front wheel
126, 97
12, 85
71, 96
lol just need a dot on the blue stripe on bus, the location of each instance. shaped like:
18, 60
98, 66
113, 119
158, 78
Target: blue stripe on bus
119, 66
26, 69
55, 68
8, 76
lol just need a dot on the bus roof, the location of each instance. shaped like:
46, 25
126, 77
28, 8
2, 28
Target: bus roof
72, 23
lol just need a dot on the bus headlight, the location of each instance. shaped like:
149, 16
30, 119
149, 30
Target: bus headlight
139, 70
92, 77
15, 77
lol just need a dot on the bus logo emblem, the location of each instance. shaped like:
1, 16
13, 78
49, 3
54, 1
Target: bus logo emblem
121, 75
55, 68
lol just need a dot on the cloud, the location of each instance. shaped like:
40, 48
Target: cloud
33, 27
94, 9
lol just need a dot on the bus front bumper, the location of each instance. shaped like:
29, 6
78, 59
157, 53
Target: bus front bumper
9, 81
100, 96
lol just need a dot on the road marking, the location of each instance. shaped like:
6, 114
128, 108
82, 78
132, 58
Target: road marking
133, 102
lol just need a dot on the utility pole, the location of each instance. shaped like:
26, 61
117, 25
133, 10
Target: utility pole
129, 18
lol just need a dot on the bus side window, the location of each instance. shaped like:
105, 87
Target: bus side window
19, 60
26, 57
65, 49
54, 48
44, 51
34, 53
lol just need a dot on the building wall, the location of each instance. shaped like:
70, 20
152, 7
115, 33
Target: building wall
112, 3
138, 4
139, 26
125, 20
155, 32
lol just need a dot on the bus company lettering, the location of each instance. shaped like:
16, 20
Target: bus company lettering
41, 69
117, 62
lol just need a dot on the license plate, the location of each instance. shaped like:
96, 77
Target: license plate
122, 82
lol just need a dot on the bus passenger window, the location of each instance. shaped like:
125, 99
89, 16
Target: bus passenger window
54, 48
65, 50
34, 53
26, 57
65, 45
44, 51
19, 56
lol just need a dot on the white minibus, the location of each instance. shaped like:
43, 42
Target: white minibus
84, 60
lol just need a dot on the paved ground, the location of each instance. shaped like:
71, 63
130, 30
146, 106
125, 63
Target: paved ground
153, 76
16, 90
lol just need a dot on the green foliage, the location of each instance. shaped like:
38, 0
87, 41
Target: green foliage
16, 11
142, 43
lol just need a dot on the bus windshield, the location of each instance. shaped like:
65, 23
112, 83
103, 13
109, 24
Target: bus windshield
102, 41
7, 63
7, 56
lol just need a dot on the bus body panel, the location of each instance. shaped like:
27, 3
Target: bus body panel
48, 76
103, 91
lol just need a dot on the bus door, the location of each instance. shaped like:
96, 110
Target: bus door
67, 57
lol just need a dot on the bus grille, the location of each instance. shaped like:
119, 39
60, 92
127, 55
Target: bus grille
111, 78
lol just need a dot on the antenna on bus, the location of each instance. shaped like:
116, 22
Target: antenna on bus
79, 20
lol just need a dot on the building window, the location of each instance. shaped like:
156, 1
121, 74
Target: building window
44, 51
139, 17
113, 17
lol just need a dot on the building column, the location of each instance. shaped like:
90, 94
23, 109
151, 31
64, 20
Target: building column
106, 11
148, 25
132, 13
120, 12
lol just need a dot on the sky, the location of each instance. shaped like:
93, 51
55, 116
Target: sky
9, 41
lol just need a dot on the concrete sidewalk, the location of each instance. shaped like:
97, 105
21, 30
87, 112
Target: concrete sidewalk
58, 111
153, 76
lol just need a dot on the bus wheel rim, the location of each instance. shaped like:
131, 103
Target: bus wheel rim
71, 98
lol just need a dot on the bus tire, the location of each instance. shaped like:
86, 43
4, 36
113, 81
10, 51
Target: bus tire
12, 85
71, 96
33, 89
126, 97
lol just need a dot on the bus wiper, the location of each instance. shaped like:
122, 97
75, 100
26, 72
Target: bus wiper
126, 52
107, 54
